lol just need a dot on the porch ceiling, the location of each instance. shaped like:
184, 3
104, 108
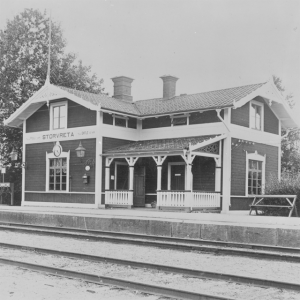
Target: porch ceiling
162, 145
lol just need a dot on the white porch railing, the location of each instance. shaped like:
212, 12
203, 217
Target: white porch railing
172, 198
121, 197
205, 199
187, 199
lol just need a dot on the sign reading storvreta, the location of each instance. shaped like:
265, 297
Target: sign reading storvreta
68, 134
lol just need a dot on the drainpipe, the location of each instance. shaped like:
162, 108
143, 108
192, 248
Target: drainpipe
222, 120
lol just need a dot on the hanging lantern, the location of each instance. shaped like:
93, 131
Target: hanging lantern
13, 155
80, 151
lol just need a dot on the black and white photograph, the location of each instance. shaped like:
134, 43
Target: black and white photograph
150, 149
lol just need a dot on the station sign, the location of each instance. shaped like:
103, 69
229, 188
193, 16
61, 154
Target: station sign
61, 135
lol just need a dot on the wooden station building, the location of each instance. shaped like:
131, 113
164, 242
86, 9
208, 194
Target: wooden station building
210, 150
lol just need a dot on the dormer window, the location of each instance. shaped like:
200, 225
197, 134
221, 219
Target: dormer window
58, 115
256, 115
179, 120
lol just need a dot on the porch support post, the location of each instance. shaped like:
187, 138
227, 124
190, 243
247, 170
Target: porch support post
226, 190
159, 161
108, 162
218, 170
188, 158
131, 162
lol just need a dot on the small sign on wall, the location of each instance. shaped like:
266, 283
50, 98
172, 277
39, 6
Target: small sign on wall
177, 174
5, 184
112, 177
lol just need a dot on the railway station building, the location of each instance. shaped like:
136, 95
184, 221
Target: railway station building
213, 150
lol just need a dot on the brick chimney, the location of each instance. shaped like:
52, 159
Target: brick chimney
169, 89
122, 88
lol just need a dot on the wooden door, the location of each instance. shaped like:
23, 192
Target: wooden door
139, 186
177, 177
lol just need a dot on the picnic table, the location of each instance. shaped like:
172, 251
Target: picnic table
289, 199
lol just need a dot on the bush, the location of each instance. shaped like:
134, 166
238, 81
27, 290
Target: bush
288, 185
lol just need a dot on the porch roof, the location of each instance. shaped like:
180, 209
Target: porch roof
163, 145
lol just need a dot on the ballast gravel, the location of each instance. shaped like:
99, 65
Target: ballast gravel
173, 281
245, 266
281, 271
20, 284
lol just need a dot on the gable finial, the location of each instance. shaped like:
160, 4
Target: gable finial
49, 52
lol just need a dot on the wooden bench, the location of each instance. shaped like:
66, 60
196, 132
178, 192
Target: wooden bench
290, 199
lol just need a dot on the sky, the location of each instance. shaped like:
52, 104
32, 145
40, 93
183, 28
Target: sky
208, 45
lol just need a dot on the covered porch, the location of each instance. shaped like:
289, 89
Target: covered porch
179, 174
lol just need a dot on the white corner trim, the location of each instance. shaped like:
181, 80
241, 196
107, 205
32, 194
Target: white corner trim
258, 157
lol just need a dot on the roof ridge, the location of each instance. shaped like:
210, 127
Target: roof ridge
241, 86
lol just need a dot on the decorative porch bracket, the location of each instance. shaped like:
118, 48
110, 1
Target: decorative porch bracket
131, 162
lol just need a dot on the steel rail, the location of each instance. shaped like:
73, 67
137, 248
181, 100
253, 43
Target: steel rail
164, 268
160, 244
161, 238
104, 280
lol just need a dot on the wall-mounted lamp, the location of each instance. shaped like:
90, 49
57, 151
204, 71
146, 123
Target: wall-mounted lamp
13, 155
80, 151
85, 179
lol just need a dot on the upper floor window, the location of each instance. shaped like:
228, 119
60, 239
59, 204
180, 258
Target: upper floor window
179, 120
256, 115
58, 115
120, 121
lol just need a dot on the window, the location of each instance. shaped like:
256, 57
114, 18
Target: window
256, 115
121, 122
179, 120
255, 174
58, 115
57, 179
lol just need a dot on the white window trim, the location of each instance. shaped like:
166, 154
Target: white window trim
117, 163
52, 105
180, 116
120, 117
169, 173
258, 157
262, 114
62, 155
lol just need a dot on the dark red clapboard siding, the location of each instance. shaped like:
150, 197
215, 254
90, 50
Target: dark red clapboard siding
238, 164
60, 198
35, 179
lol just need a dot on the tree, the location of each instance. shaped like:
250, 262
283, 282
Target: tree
290, 148
23, 69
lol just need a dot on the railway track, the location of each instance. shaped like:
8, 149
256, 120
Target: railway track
138, 240
164, 268
217, 247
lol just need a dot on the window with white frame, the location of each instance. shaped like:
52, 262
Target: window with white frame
57, 173
179, 120
256, 115
58, 115
255, 177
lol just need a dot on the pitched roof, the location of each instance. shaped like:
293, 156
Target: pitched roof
159, 145
201, 101
105, 101
207, 100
